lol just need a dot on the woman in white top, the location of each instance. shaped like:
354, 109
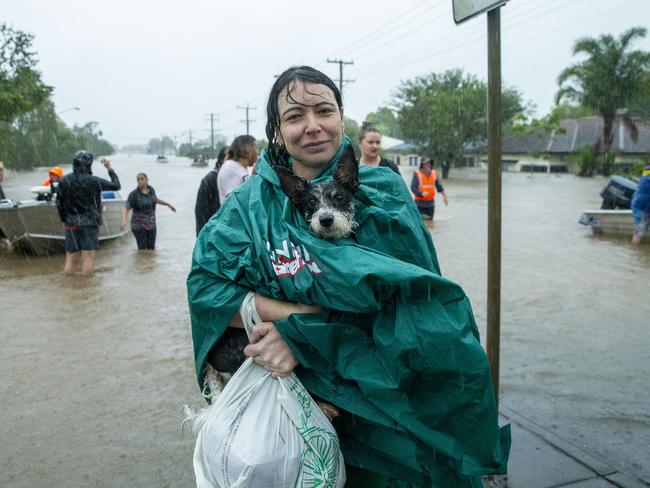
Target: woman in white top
234, 171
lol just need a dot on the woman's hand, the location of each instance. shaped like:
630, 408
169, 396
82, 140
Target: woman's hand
171, 207
269, 349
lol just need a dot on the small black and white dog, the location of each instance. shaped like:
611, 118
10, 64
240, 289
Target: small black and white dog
329, 206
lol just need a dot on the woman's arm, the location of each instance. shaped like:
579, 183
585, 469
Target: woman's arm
160, 201
270, 310
125, 214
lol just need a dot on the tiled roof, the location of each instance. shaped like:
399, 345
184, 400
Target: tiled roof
577, 133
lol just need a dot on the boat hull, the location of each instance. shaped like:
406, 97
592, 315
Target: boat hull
609, 222
34, 227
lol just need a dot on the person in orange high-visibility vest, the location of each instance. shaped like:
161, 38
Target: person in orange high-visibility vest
424, 184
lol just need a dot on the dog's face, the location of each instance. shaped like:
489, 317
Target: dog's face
328, 207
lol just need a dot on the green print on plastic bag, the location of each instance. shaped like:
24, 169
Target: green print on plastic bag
319, 463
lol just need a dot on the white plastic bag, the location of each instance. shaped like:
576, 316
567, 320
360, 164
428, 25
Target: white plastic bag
263, 432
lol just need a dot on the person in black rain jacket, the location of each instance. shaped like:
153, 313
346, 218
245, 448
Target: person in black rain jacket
79, 202
207, 198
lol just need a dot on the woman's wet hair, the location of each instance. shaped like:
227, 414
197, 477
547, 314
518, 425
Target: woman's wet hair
142, 174
223, 152
239, 147
365, 128
285, 84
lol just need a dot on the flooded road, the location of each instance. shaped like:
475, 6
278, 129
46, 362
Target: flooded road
94, 371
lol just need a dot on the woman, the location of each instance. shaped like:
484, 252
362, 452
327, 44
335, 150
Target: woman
142, 201
370, 145
241, 156
385, 339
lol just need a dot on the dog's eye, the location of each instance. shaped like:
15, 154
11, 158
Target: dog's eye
312, 202
339, 198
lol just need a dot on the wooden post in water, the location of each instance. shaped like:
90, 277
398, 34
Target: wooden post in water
494, 196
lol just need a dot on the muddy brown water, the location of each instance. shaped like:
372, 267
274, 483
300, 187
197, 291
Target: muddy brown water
94, 371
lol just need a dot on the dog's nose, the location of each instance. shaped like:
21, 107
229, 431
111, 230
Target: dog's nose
326, 220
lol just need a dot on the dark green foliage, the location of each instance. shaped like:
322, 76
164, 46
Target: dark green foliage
40, 138
385, 119
21, 88
352, 130
31, 134
442, 112
586, 160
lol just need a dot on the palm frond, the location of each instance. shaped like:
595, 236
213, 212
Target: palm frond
630, 34
568, 93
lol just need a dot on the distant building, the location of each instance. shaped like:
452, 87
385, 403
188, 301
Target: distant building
553, 149
404, 154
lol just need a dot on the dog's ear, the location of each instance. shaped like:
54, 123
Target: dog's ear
292, 185
347, 171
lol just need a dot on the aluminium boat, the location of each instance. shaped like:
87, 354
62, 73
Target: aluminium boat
34, 226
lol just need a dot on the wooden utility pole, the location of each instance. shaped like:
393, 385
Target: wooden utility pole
462, 11
212, 116
248, 121
494, 197
341, 80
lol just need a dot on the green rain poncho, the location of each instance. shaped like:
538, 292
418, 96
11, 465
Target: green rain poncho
397, 349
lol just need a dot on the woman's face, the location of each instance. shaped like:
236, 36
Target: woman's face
142, 182
311, 124
370, 145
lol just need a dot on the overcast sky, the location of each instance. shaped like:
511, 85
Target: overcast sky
142, 68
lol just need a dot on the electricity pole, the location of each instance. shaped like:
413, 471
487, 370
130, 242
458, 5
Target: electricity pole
341, 80
247, 108
212, 116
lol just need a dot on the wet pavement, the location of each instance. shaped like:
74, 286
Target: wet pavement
94, 371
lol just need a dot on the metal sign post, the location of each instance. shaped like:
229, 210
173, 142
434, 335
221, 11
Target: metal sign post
463, 10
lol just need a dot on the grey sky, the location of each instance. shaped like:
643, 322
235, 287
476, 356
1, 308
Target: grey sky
144, 68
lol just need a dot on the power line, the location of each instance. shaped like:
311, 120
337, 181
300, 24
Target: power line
408, 33
377, 32
463, 42
518, 42
469, 35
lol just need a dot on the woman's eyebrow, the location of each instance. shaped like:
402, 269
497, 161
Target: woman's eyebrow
300, 106
290, 109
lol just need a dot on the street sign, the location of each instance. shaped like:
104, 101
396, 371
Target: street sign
466, 9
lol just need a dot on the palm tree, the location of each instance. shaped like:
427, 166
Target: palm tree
608, 80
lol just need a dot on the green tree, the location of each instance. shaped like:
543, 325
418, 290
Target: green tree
21, 88
385, 120
352, 131
442, 112
551, 121
609, 79
640, 106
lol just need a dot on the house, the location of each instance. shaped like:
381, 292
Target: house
543, 147
404, 154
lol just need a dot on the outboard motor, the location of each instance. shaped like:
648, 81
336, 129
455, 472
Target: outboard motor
618, 193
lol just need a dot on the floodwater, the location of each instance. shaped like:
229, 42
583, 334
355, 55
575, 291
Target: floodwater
94, 371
